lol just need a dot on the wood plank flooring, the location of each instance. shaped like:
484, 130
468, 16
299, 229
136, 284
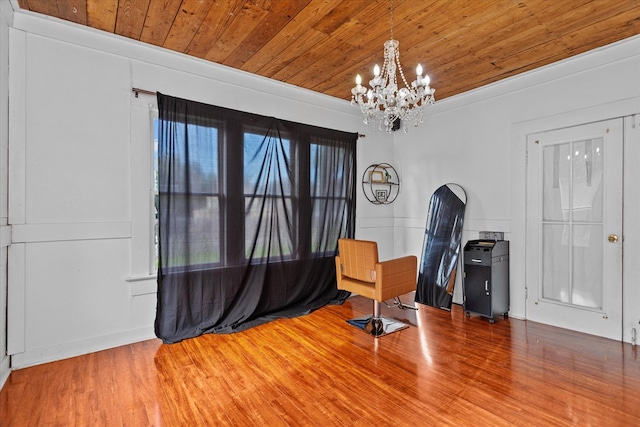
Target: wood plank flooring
317, 370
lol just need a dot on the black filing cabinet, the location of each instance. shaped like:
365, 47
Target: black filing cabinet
486, 278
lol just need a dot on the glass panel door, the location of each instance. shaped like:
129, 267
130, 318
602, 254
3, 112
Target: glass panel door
574, 203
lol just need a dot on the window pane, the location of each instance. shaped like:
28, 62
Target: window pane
194, 229
267, 232
587, 180
329, 217
587, 266
203, 159
266, 165
327, 171
556, 170
555, 263
196, 146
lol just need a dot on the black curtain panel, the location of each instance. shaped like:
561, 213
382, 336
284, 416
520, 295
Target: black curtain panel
441, 248
250, 212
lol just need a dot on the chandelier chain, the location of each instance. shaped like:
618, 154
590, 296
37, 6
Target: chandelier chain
397, 56
391, 17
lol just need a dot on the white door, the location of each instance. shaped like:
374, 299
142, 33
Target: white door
574, 228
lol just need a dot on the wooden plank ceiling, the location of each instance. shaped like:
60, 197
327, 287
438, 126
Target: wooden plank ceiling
322, 44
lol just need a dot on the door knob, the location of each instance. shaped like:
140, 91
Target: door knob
613, 238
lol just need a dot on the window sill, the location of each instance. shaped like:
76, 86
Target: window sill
141, 278
143, 285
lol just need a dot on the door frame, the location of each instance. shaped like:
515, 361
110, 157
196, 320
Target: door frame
517, 232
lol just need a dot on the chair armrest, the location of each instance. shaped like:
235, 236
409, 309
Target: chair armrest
394, 266
396, 277
338, 273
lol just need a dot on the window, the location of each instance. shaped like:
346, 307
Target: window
281, 180
197, 193
324, 203
266, 165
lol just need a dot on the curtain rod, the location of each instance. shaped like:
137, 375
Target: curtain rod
153, 92
146, 92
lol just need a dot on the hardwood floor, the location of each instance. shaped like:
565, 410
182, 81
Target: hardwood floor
446, 369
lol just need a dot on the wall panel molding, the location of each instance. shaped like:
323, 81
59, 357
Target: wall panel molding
5, 236
31, 233
17, 129
16, 293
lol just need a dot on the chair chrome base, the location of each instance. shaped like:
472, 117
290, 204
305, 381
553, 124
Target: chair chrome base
377, 325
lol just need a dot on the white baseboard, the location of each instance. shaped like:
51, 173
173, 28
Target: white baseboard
39, 356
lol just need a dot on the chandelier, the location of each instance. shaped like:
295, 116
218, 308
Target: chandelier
384, 104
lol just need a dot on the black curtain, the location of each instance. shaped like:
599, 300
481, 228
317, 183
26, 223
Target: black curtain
250, 210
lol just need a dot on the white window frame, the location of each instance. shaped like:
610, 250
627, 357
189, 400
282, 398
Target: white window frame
144, 111
153, 194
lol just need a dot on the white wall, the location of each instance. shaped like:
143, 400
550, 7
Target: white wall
375, 222
79, 210
5, 231
78, 166
478, 141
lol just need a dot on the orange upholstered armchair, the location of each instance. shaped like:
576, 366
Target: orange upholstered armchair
359, 271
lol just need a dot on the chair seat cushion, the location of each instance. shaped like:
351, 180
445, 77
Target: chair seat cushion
358, 287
